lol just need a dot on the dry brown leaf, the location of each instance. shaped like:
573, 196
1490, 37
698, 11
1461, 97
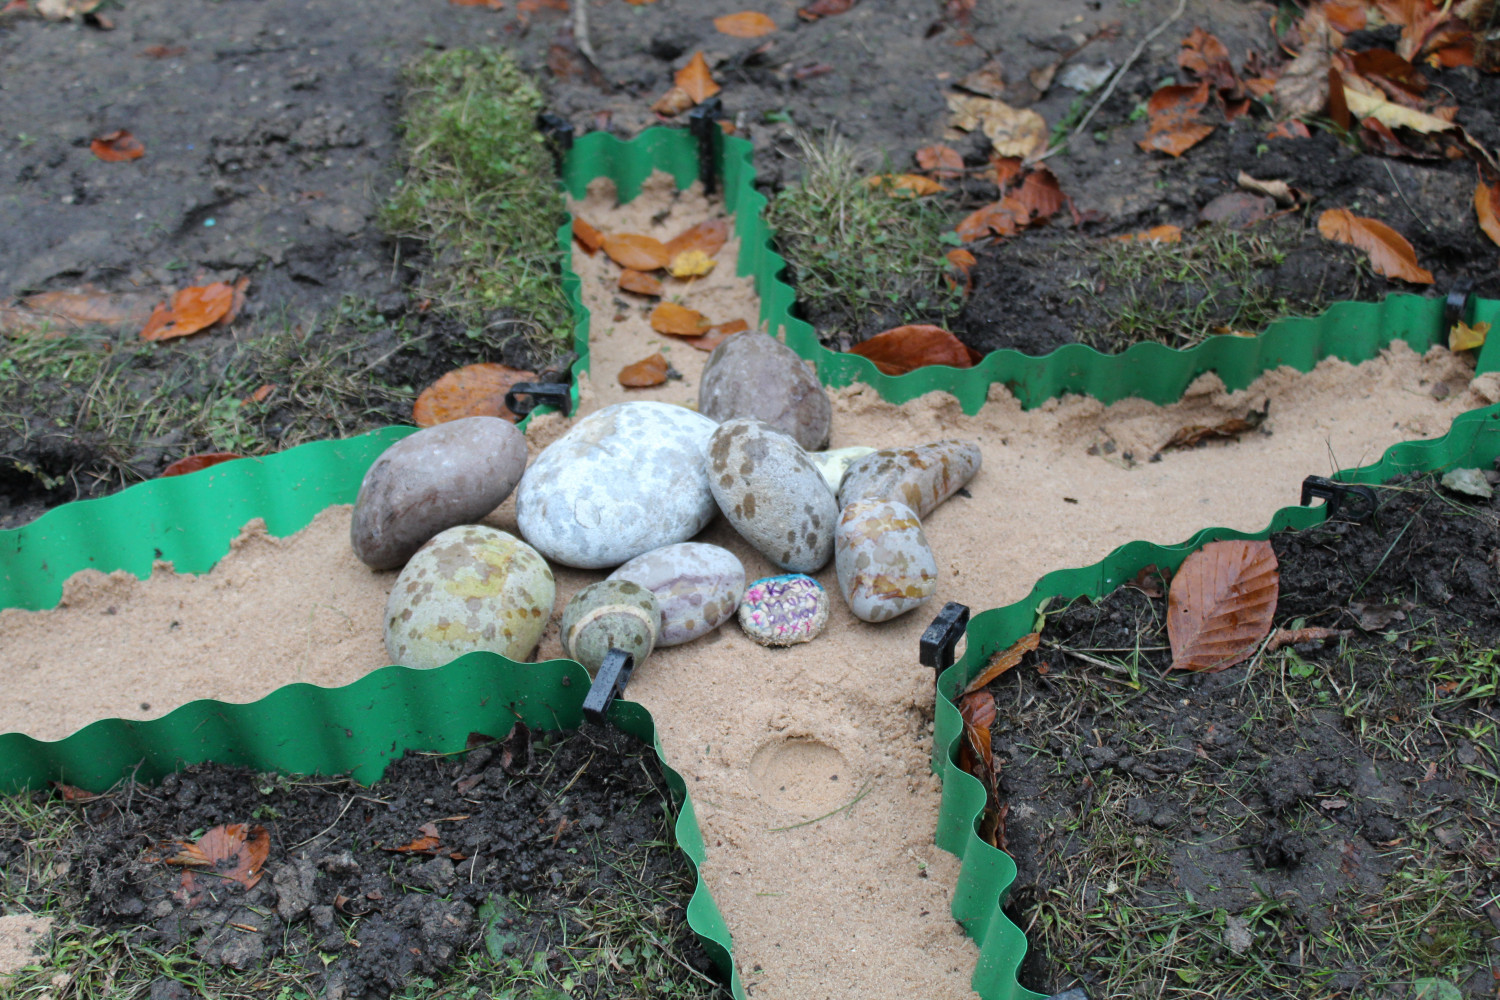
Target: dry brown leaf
1221, 604
1390, 254
1003, 170
1204, 55
639, 253
745, 24
192, 309
1175, 126
905, 348
1011, 131
1005, 217
1281, 192
673, 102
1005, 661
86, 307
1345, 16
1228, 430
708, 236
1290, 129
905, 185
645, 373
117, 147
986, 81
678, 321
640, 282
824, 8
1390, 113
696, 79
1156, 234
961, 259
1293, 636
193, 463
716, 335
1302, 87
471, 391
1384, 62
1487, 209
1040, 193
236, 852
587, 236
943, 162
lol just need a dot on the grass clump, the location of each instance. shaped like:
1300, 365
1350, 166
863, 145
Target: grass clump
481, 191
863, 257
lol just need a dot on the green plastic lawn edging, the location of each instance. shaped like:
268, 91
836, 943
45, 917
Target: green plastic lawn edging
987, 873
192, 520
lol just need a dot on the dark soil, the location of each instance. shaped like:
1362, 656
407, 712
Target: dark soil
1336, 798
575, 825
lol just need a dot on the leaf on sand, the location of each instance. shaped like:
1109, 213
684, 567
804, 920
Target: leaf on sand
1005, 217
1040, 193
716, 335
236, 852
1390, 254
1395, 115
639, 253
1464, 337
709, 236
905, 185
745, 24
1175, 127
117, 147
1011, 131
1156, 234
1005, 661
691, 264
943, 162
696, 80
640, 282
1487, 208
587, 236
192, 309
645, 373
193, 463
471, 391
905, 348
678, 321
1221, 604
824, 8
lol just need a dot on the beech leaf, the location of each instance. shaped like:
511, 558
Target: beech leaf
1005, 661
905, 185
905, 348
1011, 131
678, 321
193, 463
824, 8
587, 236
640, 282
471, 391
639, 253
1005, 217
943, 162
1221, 603
1040, 193
1487, 208
708, 236
645, 373
716, 335
117, 146
192, 309
1156, 234
1390, 254
696, 80
745, 24
1175, 126
236, 852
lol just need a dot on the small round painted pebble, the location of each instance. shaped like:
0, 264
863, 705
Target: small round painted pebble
784, 610
469, 588
610, 614
697, 585
884, 563
772, 493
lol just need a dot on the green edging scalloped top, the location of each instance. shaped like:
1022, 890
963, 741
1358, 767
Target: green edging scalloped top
192, 520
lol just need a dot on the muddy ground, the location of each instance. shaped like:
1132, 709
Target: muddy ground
1319, 821
543, 861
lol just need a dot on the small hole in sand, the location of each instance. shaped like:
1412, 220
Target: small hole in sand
800, 775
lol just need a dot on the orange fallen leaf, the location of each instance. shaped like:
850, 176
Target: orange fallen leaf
1040, 193
639, 253
162, 51
905, 348
1290, 129
1175, 127
193, 463
192, 309
261, 394
745, 24
1205, 56
1005, 661
87, 307
824, 8
708, 236
236, 852
117, 146
1221, 604
1389, 252
1005, 217
645, 373
943, 162
1348, 16
960, 258
491, 4
640, 282
678, 321
716, 335
696, 80
905, 185
1156, 234
1003, 170
471, 391
1487, 208
587, 236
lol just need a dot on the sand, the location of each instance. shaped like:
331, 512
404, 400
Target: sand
769, 739
22, 936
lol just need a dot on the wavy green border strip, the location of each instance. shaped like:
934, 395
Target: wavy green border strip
987, 873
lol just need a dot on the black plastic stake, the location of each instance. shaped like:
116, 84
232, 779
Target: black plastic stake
703, 122
1337, 494
941, 637
609, 684
1456, 305
552, 388
558, 132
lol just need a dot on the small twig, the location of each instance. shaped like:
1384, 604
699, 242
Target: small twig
581, 30
1119, 75
1402, 194
1088, 659
330, 826
818, 819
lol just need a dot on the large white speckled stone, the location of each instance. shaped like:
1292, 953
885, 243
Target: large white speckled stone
626, 480
698, 587
469, 588
772, 493
885, 566
920, 477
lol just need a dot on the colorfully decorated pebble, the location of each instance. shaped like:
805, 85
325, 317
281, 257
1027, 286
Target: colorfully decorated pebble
772, 493
885, 566
626, 480
698, 587
752, 374
784, 610
610, 614
470, 588
437, 478
921, 478
833, 464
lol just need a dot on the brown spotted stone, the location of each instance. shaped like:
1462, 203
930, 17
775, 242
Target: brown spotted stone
921, 478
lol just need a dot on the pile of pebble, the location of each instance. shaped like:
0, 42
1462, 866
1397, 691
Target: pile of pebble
625, 489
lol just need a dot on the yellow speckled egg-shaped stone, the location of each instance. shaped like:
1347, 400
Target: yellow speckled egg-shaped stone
469, 588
